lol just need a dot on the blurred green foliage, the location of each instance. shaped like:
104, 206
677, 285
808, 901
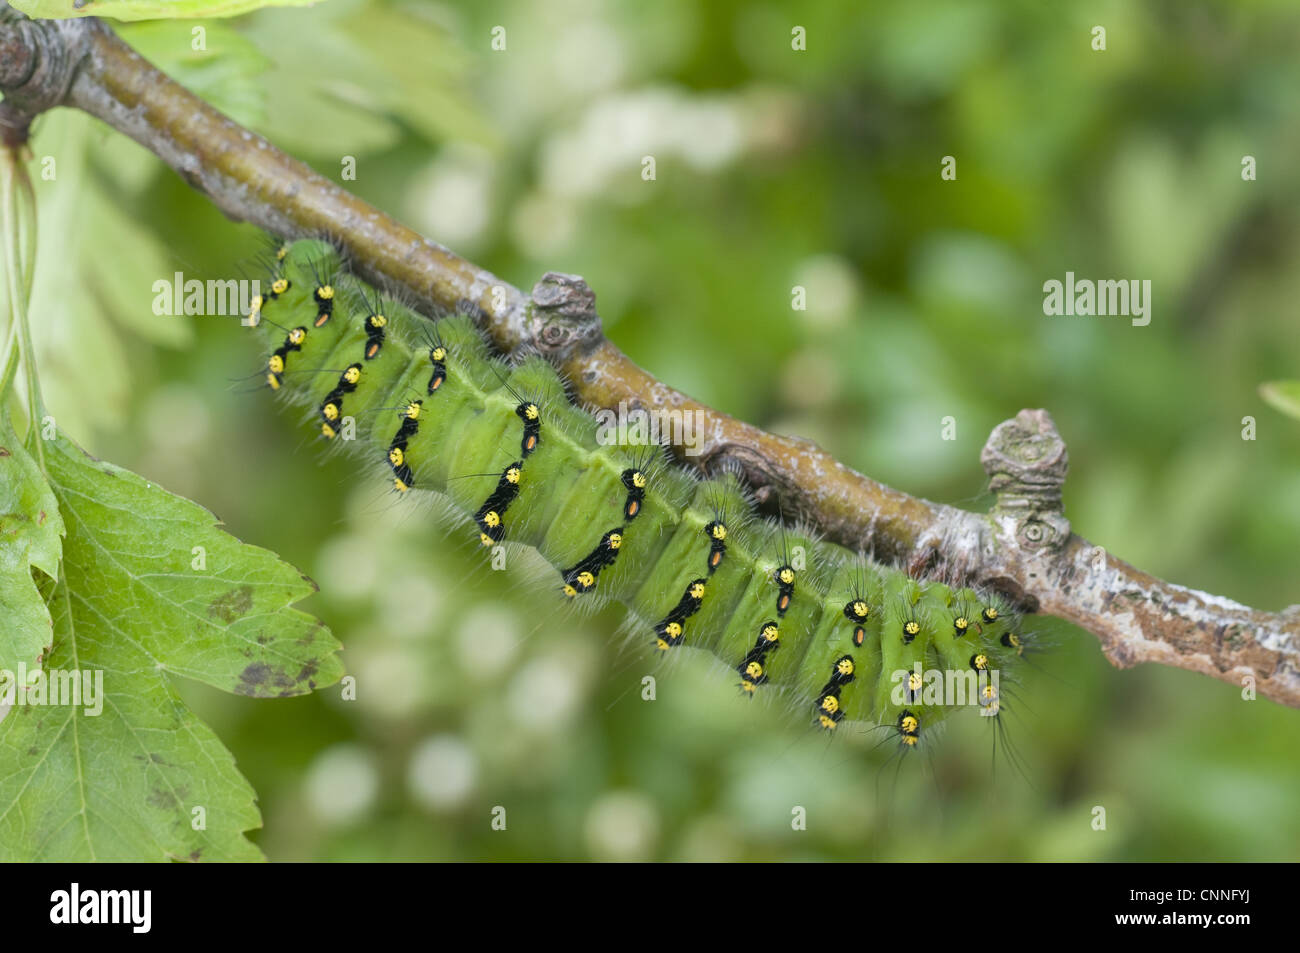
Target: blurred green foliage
775, 168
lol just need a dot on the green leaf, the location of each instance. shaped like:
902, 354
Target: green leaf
146, 9
1283, 396
152, 589
31, 533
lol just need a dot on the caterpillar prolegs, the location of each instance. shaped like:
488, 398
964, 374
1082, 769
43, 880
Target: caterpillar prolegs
844, 638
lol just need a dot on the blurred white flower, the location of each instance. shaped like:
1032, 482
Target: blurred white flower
442, 772
341, 784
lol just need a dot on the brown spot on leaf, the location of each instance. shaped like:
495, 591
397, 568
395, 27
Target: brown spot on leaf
232, 605
253, 677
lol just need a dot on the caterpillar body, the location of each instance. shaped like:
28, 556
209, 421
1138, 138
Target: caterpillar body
842, 637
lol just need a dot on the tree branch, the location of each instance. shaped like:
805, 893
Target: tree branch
1024, 547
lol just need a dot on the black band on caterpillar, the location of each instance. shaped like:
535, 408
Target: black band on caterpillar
752, 667
489, 516
375, 325
279, 359
403, 479
531, 415
331, 408
635, 481
582, 577
671, 629
716, 530
784, 579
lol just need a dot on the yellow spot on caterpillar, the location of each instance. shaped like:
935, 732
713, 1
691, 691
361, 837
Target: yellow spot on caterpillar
673, 629
754, 670
910, 740
638, 480
570, 591
860, 610
378, 321
331, 412
297, 335
914, 682
748, 687
661, 645
586, 580
492, 519
276, 364
329, 432
960, 624
786, 575
280, 286
697, 590
911, 629
719, 531
980, 662
273, 381
281, 252
512, 475
486, 540
830, 704
909, 724
615, 540
325, 292
827, 722
770, 633
989, 692
844, 666
255, 311
413, 410
1011, 640
399, 485
396, 457
531, 412
438, 354
990, 614
352, 374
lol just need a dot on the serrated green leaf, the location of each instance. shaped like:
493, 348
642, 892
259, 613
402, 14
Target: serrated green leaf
152, 588
146, 9
1283, 396
31, 537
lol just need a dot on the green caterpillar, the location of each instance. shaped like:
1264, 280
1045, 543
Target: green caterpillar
843, 637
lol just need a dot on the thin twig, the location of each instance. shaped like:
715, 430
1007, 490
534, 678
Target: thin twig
1023, 548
